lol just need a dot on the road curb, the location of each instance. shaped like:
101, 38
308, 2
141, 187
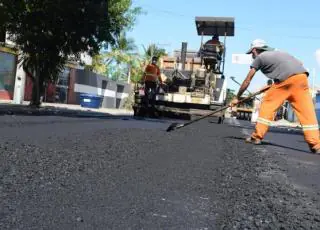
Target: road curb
12, 109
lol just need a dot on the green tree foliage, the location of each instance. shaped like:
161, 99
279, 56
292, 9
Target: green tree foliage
114, 62
153, 50
136, 70
123, 58
49, 32
138, 62
230, 95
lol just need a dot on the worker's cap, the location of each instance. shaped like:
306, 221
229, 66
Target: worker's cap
259, 44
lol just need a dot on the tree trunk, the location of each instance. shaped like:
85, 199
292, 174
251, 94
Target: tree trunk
35, 101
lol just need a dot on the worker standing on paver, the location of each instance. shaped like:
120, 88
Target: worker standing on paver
290, 83
151, 75
216, 42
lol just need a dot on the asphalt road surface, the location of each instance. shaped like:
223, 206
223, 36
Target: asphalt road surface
94, 173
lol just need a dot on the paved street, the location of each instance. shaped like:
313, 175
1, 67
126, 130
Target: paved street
120, 173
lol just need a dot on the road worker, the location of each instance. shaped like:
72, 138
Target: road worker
213, 49
151, 75
290, 82
216, 42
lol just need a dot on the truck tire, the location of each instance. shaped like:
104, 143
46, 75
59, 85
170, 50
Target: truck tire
135, 111
138, 112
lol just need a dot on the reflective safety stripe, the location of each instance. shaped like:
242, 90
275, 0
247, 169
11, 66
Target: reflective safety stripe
151, 74
264, 121
310, 127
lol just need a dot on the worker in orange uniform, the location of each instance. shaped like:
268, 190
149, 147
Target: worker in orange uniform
214, 45
216, 42
290, 83
151, 75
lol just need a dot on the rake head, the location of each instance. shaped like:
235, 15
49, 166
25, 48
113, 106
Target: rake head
174, 126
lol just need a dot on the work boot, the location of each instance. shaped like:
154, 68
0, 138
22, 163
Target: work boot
253, 141
315, 151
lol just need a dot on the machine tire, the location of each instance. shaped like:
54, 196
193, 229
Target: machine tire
135, 111
221, 119
138, 112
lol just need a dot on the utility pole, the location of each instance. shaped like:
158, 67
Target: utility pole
129, 74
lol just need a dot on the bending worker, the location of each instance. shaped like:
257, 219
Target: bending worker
290, 83
151, 75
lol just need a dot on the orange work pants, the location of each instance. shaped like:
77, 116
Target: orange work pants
295, 89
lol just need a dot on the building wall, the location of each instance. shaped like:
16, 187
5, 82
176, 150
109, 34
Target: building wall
74, 82
67, 89
171, 62
8, 62
28, 88
83, 81
50, 90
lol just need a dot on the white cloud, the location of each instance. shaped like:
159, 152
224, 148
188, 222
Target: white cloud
318, 56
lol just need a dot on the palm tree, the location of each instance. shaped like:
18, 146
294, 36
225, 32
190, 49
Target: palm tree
153, 50
115, 61
123, 58
125, 44
123, 53
136, 69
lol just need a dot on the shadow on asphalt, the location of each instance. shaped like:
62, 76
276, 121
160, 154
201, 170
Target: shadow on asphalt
268, 143
283, 130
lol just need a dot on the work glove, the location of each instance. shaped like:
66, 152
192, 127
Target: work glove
234, 102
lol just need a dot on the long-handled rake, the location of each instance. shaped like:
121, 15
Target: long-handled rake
175, 126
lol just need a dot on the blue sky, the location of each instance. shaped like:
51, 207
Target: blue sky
292, 26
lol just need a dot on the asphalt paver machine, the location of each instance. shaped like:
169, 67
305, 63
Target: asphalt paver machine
196, 83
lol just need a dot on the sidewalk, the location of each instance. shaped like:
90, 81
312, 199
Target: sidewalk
279, 124
7, 107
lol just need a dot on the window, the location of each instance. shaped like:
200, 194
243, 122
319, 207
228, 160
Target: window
104, 84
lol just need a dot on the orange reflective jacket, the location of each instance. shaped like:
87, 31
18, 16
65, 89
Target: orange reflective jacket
152, 73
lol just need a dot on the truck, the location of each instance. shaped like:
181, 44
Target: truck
244, 110
196, 84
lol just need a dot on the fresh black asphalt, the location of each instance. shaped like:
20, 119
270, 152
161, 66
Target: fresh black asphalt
70, 172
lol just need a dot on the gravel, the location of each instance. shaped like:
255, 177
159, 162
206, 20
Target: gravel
90, 173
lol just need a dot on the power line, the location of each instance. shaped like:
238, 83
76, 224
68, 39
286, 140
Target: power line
167, 11
173, 13
280, 25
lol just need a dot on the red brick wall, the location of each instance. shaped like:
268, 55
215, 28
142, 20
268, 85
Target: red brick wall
50, 90
28, 88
